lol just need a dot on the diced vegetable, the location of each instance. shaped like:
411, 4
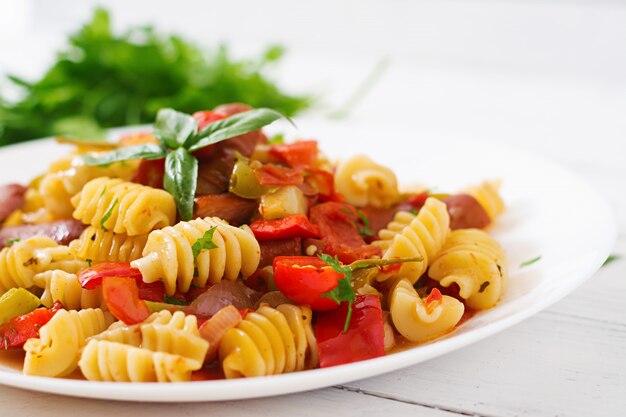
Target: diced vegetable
296, 225
91, 277
365, 338
17, 302
19, 329
243, 181
283, 202
305, 280
298, 154
122, 297
271, 175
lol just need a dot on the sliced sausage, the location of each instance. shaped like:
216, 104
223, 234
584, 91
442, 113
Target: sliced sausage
465, 212
283, 247
11, 199
235, 210
63, 232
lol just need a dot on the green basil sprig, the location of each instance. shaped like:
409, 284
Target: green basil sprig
178, 136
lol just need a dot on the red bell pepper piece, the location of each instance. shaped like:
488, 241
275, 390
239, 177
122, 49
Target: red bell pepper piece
296, 225
363, 340
122, 297
275, 175
297, 155
19, 329
304, 279
91, 277
417, 200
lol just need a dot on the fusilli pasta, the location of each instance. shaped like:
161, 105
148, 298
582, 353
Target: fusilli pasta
269, 342
22, 261
100, 246
476, 263
363, 182
124, 207
411, 235
168, 255
57, 350
63, 286
419, 321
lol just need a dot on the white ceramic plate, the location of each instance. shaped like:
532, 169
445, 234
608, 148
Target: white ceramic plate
551, 213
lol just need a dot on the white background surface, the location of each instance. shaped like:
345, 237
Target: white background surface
546, 76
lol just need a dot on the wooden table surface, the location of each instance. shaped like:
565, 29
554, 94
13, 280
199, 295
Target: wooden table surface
570, 359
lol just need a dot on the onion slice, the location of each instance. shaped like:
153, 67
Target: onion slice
216, 327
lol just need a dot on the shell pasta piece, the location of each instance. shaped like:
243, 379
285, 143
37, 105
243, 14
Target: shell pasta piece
169, 257
21, 262
270, 342
421, 235
63, 286
363, 182
100, 246
419, 321
476, 263
57, 350
102, 360
124, 207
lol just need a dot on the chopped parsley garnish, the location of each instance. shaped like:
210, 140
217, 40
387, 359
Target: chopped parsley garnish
343, 291
107, 215
204, 243
12, 242
483, 286
414, 212
530, 261
278, 139
612, 258
364, 230
89, 261
174, 301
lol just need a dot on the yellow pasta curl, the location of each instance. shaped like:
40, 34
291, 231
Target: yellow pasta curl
22, 261
488, 196
269, 342
363, 182
68, 176
419, 321
477, 263
168, 255
100, 246
57, 350
124, 207
64, 287
102, 360
164, 331
420, 235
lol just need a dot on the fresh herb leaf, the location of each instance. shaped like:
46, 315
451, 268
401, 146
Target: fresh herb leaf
107, 215
414, 212
235, 125
173, 301
145, 151
530, 261
612, 258
204, 243
364, 230
379, 263
173, 128
12, 242
89, 262
181, 176
343, 291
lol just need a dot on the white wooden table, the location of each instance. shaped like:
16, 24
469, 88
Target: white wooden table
569, 360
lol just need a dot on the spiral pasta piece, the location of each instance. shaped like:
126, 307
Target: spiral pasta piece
100, 246
418, 320
168, 255
124, 207
102, 360
68, 176
63, 286
174, 333
57, 350
488, 196
421, 235
363, 182
270, 342
477, 263
21, 262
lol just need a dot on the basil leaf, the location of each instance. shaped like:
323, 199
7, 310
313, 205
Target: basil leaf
232, 126
181, 176
173, 128
146, 151
204, 243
